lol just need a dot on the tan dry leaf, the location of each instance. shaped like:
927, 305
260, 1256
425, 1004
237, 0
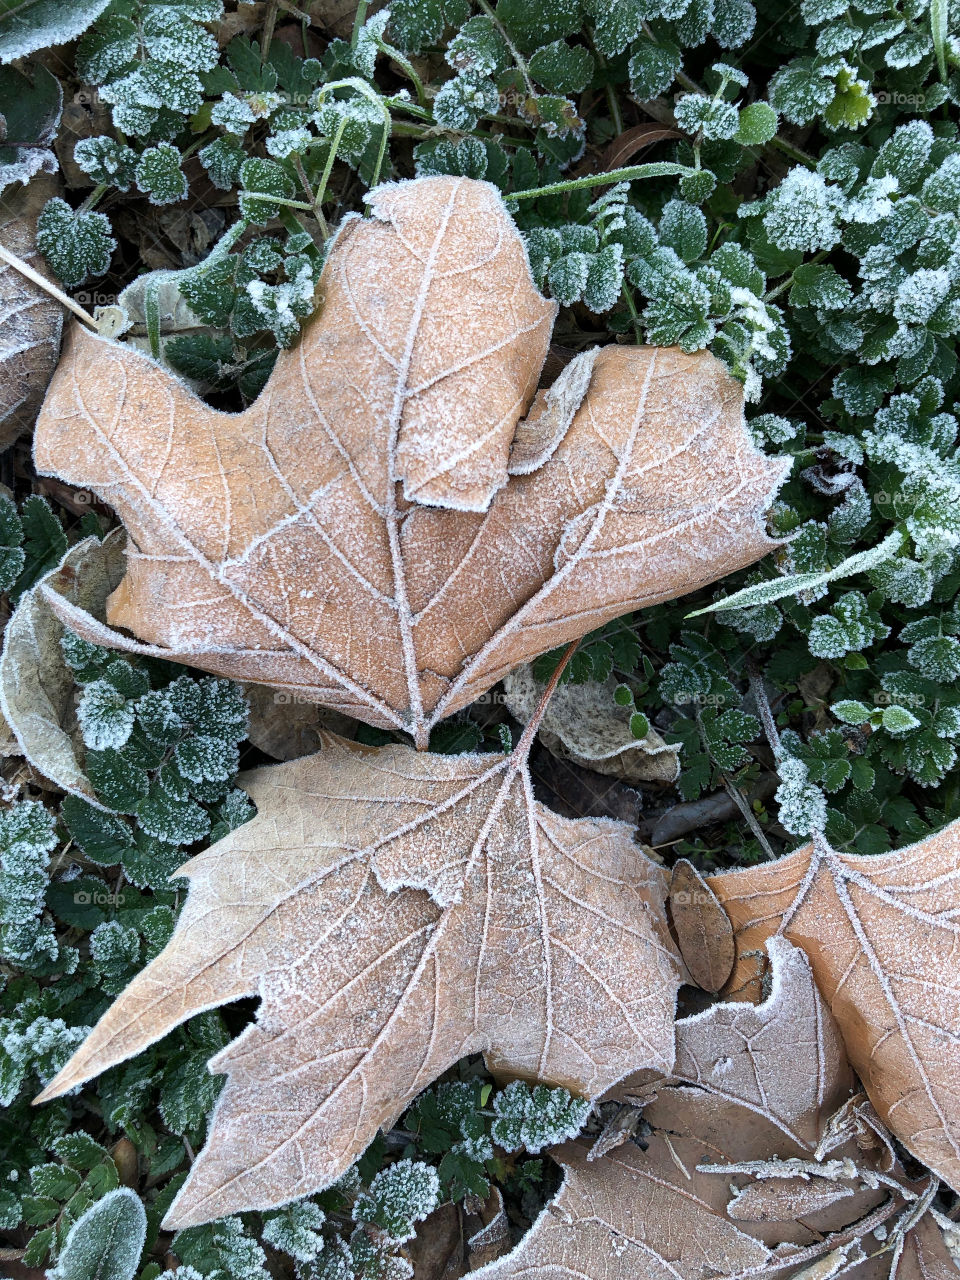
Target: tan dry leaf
37, 688
583, 724
703, 928
395, 911
355, 536
767, 1078
30, 320
883, 936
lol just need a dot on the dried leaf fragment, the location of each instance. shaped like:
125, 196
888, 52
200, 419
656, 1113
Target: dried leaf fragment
395, 911
728, 1183
882, 934
30, 319
37, 688
354, 536
583, 724
703, 927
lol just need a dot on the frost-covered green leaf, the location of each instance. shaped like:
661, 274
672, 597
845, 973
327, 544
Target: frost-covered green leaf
398, 1198
106, 1241
533, 1117
76, 245
27, 837
32, 25
159, 175
107, 160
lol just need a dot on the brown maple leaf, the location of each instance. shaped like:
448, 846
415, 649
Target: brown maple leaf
883, 936
395, 911
730, 1182
376, 532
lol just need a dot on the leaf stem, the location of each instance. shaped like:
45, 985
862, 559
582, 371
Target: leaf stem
522, 749
515, 53
764, 710
406, 67
42, 282
359, 19
658, 169
361, 86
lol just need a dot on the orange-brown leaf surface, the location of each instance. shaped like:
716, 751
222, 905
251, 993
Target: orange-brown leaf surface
883, 936
395, 911
376, 532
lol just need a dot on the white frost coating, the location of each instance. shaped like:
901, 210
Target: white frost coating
368, 995
45, 23
36, 687
106, 1241
273, 545
545, 426
797, 1074
882, 933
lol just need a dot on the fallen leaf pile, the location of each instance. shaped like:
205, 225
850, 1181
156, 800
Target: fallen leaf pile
399, 522
379, 531
757, 1161
883, 936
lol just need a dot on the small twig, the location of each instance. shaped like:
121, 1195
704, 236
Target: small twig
270, 22
764, 710
749, 816
515, 54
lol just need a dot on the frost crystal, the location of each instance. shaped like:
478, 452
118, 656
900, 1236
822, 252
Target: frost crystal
41, 1047
398, 1198
804, 212
920, 294
76, 245
27, 835
296, 1230
802, 806
534, 1118
105, 716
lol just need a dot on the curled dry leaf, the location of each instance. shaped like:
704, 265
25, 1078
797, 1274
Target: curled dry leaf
356, 535
883, 935
728, 1183
395, 911
703, 928
37, 688
30, 320
286, 727
583, 724
491, 1239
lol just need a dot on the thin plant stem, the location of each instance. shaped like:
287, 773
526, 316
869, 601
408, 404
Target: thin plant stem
525, 742
42, 282
278, 200
361, 86
269, 23
749, 816
764, 710
359, 19
632, 173
406, 67
325, 176
515, 53
93, 198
